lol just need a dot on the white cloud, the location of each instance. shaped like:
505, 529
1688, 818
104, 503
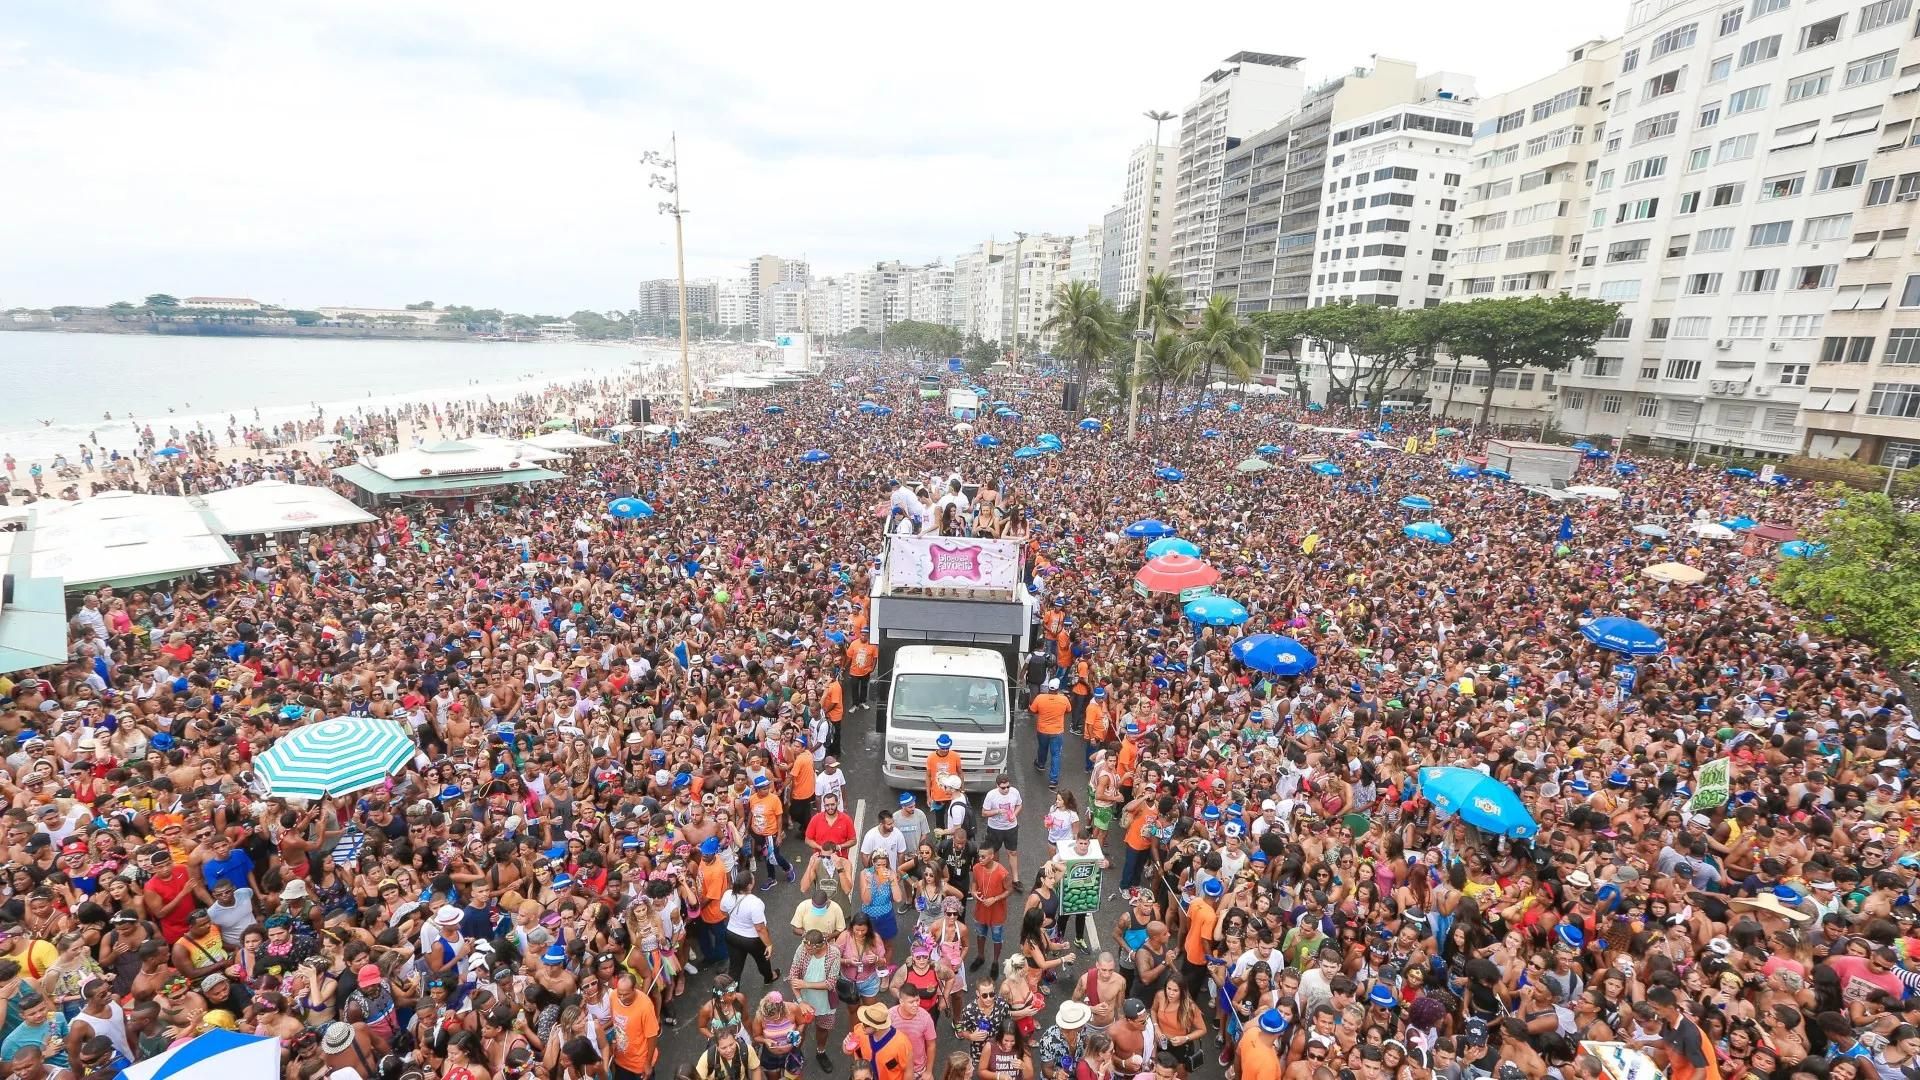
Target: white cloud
486, 153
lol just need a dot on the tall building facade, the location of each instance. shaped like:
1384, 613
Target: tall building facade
660, 299
1249, 92
1141, 226
1737, 149
1083, 258
927, 294
1522, 215
1863, 394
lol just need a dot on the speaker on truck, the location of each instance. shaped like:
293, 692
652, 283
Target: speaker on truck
640, 411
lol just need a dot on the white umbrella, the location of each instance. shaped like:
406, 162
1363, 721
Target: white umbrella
217, 1055
1650, 529
716, 442
1552, 494
1594, 491
624, 428
1710, 530
331, 438
963, 428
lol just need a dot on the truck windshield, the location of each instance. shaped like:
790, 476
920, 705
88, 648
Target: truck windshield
956, 703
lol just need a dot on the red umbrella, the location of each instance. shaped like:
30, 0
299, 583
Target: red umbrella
1174, 574
934, 444
1773, 533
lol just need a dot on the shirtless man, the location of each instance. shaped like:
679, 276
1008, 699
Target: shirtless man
1102, 989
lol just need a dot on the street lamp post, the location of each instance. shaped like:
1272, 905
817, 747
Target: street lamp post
1699, 414
1546, 416
668, 181
1140, 334
1019, 245
1904, 461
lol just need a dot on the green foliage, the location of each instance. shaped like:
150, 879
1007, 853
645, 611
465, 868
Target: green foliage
1221, 339
980, 354
121, 307
860, 338
61, 311
306, 318
923, 340
1547, 333
162, 300
424, 305
1868, 578
1283, 332
1084, 327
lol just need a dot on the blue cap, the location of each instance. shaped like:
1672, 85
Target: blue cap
761, 782
906, 798
710, 846
1257, 856
1569, 935
557, 851
555, 955
160, 741
944, 742
1099, 691
1380, 996
1786, 894
682, 779
1211, 887
1617, 778
1272, 1022
563, 881
629, 843
1210, 813
1580, 786
450, 793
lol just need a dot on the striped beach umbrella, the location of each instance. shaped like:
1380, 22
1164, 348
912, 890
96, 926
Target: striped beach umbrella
335, 757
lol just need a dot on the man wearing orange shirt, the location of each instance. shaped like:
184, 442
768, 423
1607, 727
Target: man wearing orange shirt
874, 1040
1095, 731
833, 702
710, 929
1049, 708
636, 1031
1202, 917
764, 814
1258, 1055
861, 656
800, 781
944, 761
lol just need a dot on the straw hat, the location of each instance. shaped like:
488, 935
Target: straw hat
875, 1016
1771, 904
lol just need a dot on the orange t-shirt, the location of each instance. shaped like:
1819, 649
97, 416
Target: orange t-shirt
1097, 723
860, 658
833, 702
640, 1024
800, 775
938, 765
1063, 649
893, 1059
1256, 1060
713, 887
1050, 712
1200, 921
763, 813
1137, 832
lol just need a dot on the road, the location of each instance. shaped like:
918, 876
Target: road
867, 793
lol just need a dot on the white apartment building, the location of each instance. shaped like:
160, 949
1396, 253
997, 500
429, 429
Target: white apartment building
823, 307
1522, 213
1863, 395
1250, 92
976, 299
1736, 151
735, 303
1120, 252
1083, 259
927, 294
1011, 312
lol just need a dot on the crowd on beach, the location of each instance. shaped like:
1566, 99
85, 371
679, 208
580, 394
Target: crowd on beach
629, 770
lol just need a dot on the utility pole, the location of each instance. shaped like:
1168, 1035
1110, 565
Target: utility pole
1140, 332
1699, 414
669, 182
1904, 461
1019, 242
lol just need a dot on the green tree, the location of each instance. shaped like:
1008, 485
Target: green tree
162, 300
424, 305
1341, 328
121, 307
1221, 339
1868, 578
306, 318
1282, 333
1547, 333
1165, 362
1084, 328
860, 338
1399, 344
980, 354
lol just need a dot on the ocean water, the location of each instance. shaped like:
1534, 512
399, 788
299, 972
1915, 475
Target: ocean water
73, 380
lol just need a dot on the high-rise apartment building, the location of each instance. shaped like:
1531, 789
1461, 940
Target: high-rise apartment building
736, 304
974, 294
1737, 149
1148, 166
927, 294
1521, 217
1083, 257
1249, 92
823, 307
1863, 391
660, 299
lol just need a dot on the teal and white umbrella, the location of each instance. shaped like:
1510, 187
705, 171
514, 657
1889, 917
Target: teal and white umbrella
335, 757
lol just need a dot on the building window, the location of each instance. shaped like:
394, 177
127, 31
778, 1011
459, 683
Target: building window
1770, 234
1629, 61
1738, 148
1680, 37
1692, 327
1809, 86
1648, 408
1682, 370
1657, 329
1719, 69
1690, 202
1662, 84
1780, 420
1830, 227
1646, 168
1706, 240
1875, 16
1812, 277
1903, 347
1621, 328
1846, 350
1895, 399
1683, 412
1748, 100
1730, 20
1820, 33
1656, 127
1620, 289
1747, 326
1895, 454
1768, 7
1758, 281
1800, 326
1677, 246
1782, 187
1910, 292
1870, 69
1842, 176
1794, 374
1576, 400
1611, 403
1759, 50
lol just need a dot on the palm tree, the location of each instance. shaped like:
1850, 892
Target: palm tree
1163, 304
1165, 364
1083, 326
1221, 339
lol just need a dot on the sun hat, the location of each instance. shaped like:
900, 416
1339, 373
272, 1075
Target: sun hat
338, 1037
875, 1016
1072, 1016
1272, 1022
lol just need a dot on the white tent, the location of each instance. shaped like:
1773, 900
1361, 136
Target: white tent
122, 538
564, 440
523, 449
481, 454
272, 506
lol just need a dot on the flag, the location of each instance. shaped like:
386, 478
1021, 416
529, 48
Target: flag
682, 657
1311, 542
1566, 528
1413, 444
1712, 783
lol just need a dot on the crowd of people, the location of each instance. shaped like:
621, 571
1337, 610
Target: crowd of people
629, 774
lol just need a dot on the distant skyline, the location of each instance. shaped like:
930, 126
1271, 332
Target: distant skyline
486, 153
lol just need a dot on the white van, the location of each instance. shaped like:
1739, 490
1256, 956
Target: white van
949, 690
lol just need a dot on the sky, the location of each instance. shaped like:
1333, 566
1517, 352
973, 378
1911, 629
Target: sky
353, 152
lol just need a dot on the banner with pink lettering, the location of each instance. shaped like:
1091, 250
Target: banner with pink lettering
952, 562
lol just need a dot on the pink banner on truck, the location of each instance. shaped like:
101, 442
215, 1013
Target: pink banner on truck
952, 562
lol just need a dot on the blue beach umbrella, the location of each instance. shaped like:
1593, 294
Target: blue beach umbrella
1316, 407
1801, 549
1234, 406
1089, 424
1497, 473
168, 451
1049, 442
1172, 545
1745, 474
1215, 611
815, 457
1274, 654
1169, 474
986, 442
1463, 472
999, 403
867, 406
1326, 468
1028, 452
1266, 448
1209, 433
1149, 528
1477, 799
1740, 524
881, 410
1617, 633
1416, 502
774, 410
629, 508
1625, 468
1584, 445
1431, 531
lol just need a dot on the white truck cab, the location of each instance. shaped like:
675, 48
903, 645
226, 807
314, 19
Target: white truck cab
950, 616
